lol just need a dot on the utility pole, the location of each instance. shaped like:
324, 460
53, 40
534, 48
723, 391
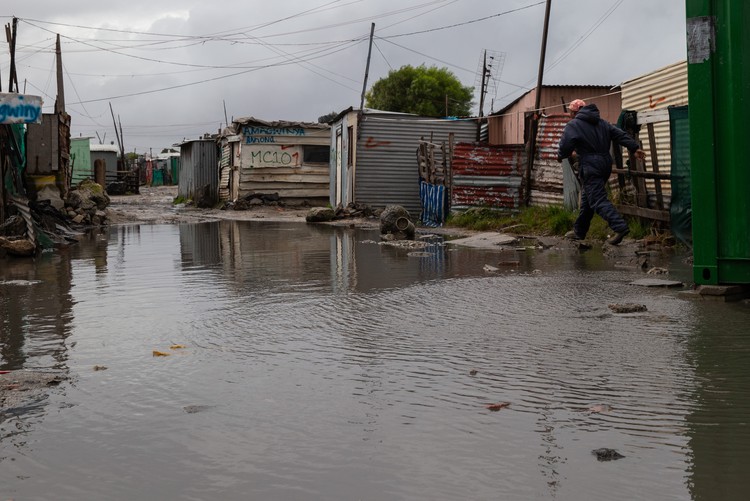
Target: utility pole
535, 112
117, 134
60, 102
482, 89
367, 69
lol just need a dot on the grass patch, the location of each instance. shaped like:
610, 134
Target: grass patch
179, 200
551, 220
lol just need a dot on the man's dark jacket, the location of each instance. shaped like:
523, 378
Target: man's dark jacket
590, 136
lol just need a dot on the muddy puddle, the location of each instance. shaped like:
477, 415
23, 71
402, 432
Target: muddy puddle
245, 360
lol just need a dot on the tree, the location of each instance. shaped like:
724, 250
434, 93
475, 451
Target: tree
422, 91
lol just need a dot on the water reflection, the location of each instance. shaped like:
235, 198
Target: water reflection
719, 425
321, 365
35, 311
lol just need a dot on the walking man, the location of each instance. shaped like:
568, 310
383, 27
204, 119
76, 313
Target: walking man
589, 137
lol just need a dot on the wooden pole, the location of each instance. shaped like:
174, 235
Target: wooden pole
367, 68
482, 88
60, 103
537, 104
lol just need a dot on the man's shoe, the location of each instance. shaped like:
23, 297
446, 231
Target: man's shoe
572, 235
617, 238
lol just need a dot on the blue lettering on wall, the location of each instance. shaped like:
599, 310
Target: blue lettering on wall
15, 110
257, 140
255, 130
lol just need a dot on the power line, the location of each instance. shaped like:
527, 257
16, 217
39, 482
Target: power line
465, 22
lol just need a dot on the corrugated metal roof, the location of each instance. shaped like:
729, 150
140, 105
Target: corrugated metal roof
278, 123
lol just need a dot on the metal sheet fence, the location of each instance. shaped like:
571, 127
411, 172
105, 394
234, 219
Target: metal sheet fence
487, 176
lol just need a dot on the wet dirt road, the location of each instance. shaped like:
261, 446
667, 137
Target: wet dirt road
309, 362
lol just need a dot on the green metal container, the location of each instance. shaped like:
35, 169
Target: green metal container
719, 93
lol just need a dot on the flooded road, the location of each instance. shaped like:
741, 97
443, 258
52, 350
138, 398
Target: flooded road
309, 363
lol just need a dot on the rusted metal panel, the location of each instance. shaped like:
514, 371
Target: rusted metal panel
487, 176
547, 175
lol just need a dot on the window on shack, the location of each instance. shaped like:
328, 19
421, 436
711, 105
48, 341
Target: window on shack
316, 154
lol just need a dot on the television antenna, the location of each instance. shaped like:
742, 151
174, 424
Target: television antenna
489, 69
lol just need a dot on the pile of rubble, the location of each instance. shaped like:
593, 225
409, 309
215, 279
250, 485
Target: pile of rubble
51, 221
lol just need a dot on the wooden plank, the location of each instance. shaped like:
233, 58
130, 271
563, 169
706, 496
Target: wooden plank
641, 195
632, 210
303, 169
286, 193
652, 116
285, 178
655, 165
645, 175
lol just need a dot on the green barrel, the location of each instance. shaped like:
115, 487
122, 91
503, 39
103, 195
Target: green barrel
718, 39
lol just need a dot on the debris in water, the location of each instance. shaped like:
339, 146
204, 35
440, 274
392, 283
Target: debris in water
158, 353
100, 368
192, 409
491, 269
599, 408
627, 307
177, 347
473, 372
605, 454
496, 407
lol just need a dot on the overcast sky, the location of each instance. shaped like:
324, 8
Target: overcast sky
169, 68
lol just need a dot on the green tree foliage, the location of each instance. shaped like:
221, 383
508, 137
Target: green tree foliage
421, 91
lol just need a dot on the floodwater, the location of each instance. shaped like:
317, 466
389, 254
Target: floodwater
320, 366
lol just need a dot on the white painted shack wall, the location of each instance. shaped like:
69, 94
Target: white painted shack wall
342, 170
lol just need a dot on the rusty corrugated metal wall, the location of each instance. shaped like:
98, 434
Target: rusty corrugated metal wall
487, 176
658, 90
547, 176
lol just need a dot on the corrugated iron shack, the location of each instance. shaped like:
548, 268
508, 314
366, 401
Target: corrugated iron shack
104, 156
510, 125
199, 171
290, 159
651, 94
374, 155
